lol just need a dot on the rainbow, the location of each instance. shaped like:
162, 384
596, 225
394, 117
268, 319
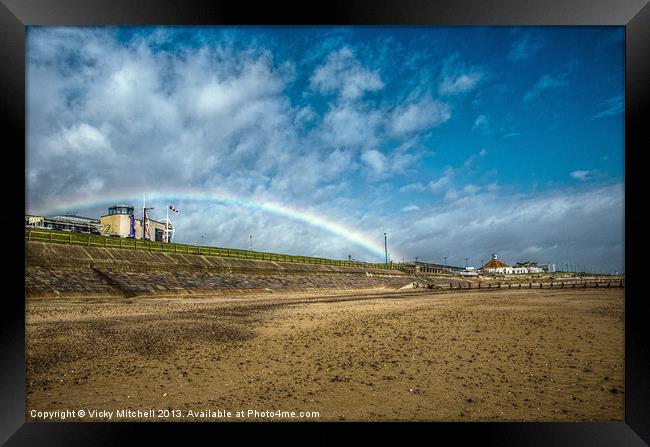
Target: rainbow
372, 245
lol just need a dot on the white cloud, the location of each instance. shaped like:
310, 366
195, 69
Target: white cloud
410, 208
79, 139
459, 84
546, 82
411, 187
417, 116
343, 73
444, 182
451, 195
553, 227
201, 117
581, 175
525, 47
610, 107
480, 123
305, 115
402, 161
350, 125
95, 184
375, 160
456, 78
381, 166
472, 158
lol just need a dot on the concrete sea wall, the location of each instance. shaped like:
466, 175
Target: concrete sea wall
55, 270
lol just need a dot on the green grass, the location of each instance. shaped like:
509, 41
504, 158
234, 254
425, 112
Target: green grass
69, 238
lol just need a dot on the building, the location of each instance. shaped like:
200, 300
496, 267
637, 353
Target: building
526, 264
497, 266
65, 222
425, 267
469, 271
120, 221
548, 268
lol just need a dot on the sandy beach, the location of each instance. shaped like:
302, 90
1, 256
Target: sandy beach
372, 355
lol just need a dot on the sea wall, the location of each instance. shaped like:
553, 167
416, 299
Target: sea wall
57, 270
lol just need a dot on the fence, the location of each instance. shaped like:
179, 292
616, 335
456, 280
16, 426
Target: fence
89, 240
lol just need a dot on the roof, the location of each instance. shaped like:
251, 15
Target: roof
73, 218
495, 264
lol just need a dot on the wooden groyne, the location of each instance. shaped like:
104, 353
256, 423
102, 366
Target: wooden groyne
569, 284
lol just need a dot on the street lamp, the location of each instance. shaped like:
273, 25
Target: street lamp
386, 249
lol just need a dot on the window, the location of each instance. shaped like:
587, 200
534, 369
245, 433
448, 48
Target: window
120, 210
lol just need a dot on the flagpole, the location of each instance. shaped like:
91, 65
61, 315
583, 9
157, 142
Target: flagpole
144, 210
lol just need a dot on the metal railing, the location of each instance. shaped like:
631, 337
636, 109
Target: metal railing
91, 240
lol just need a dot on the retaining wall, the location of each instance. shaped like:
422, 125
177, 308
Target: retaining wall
65, 270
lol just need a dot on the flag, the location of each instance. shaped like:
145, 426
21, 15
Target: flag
173, 209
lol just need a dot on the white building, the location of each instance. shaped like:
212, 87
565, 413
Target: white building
497, 266
469, 271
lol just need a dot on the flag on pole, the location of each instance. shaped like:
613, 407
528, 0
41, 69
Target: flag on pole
173, 209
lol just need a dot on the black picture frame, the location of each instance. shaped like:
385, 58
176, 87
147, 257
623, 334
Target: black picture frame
15, 15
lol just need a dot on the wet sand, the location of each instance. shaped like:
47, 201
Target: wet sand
533, 355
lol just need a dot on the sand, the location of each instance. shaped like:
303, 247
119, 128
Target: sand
507, 355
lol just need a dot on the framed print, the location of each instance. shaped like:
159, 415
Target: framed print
398, 212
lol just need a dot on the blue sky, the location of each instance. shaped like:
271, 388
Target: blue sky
458, 142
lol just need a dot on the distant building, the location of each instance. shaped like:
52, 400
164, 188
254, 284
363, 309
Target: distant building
469, 271
425, 267
120, 221
66, 222
497, 266
526, 264
548, 268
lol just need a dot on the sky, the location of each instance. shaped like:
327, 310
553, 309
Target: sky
456, 142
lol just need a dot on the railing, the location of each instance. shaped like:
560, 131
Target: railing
91, 240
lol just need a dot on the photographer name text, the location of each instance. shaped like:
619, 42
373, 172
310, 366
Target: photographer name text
153, 413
